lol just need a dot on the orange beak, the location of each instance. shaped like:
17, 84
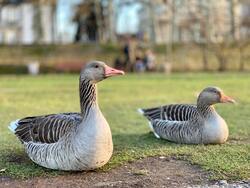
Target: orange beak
226, 99
109, 71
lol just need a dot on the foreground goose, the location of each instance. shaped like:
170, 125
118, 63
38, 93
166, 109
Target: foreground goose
190, 124
71, 141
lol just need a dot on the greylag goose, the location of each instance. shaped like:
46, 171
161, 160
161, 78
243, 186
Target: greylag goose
191, 124
71, 141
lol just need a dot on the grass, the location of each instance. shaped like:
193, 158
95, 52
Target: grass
119, 98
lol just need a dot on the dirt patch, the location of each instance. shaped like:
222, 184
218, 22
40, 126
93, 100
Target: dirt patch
149, 172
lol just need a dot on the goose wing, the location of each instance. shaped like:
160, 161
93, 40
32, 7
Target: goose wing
177, 131
172, 112
46, 129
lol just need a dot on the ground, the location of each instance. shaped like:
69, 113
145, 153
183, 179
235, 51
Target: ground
149, 172
119, 98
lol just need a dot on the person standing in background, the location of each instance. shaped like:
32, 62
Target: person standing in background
150, 60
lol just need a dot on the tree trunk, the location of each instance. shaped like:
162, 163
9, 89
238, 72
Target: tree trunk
241, 60
219, 51
204, 57
232, 18
222, 62
78, 32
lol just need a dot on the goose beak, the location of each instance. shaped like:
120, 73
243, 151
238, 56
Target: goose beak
226, 99
109, 71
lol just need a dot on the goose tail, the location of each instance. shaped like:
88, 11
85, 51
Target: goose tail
152, 129
13, 125
140, 111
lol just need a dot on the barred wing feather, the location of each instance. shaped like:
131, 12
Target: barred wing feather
172, 112
46, 129
178, 131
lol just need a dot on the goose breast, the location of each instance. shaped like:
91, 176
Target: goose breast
97, 148
215, 130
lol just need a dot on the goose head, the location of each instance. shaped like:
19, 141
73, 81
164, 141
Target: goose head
96, 71
213, 95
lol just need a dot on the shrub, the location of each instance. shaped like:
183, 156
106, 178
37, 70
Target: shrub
13, 69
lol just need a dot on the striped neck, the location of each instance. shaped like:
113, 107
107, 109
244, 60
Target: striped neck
88, 95
205, 110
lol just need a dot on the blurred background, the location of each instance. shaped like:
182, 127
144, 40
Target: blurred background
50, 36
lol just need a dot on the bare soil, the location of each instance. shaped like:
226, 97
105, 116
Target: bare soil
149, 172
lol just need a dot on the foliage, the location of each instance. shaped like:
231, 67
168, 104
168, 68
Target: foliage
13, 69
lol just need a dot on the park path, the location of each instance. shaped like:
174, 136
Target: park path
153, 172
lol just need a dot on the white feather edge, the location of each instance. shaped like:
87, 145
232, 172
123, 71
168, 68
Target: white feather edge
140, 111
13, 125
152, 128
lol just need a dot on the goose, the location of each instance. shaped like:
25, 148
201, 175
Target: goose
71, 141
191, 124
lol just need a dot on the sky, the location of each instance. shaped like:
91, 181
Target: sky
127, 21
65, 10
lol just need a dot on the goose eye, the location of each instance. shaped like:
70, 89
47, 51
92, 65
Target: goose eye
96, 66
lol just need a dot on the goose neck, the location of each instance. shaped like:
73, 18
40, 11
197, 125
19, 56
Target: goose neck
88, 96
205, 110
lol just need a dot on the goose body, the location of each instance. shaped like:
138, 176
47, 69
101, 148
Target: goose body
71, 141
190, 124
172, 112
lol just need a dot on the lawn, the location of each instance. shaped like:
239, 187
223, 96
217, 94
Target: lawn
119, 98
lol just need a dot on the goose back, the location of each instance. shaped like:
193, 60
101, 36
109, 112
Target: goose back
172, 112
47, 128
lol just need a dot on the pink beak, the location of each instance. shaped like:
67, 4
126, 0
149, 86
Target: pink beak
226, 99
109, 71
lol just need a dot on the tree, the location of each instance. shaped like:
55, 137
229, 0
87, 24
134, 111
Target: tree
214, 23
196, 21
95, 19
244, 39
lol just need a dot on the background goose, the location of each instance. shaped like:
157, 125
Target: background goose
173, 112
71, 141
191, 124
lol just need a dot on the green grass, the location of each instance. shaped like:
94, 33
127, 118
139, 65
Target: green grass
119, 98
